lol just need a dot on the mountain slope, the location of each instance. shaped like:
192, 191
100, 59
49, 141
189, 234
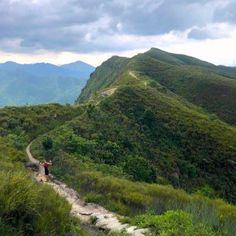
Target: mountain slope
143, 106
175, 140
204, 84
104, 76
73, 163
41, 82
28, 208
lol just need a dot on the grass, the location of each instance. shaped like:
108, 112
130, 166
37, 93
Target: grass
176, 142
27, 208
210, 87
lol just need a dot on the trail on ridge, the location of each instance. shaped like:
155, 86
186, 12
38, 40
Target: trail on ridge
104, 219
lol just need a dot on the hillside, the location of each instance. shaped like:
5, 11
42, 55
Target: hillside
99, 152
127, 152
204, 84
186, 144
138, 146
22, 84
26, 207
177, 142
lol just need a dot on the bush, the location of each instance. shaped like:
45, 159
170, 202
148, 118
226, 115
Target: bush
173, 223
47, 144
30, 209
139, 198
140, 169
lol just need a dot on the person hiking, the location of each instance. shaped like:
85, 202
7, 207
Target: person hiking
46, 164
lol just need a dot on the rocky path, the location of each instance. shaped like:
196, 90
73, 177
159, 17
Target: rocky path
87, 212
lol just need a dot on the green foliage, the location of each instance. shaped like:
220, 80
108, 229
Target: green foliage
177, 141
30, 209
204, 84
139, 169
27, 208
207, 191
22, 124
135, 198
93, 220
108, 71
47, 144
138, 126
173, 223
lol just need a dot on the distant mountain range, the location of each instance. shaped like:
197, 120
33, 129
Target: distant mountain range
22, 84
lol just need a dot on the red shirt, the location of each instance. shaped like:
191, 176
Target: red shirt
45, 165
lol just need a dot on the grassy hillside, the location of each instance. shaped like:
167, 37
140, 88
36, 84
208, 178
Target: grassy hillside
27, 208
204, 84
22, 124
176, 141
104, 76
137, 134
144, 134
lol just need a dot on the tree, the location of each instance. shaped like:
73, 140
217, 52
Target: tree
140, 169
47, 144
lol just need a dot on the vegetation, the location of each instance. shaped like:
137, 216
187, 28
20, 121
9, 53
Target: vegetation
144, 146
27, 208
20, 125
174, 223
211, 87
153, 136
97, 183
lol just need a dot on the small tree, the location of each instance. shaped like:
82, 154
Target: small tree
140, 169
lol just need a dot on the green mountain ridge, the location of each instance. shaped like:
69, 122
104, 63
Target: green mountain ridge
133, 108
204, 84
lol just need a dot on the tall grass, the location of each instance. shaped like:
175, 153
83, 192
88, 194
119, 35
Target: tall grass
133, 198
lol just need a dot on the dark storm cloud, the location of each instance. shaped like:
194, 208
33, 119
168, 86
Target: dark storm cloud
93, 25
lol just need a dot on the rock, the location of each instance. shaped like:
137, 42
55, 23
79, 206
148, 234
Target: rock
32, 166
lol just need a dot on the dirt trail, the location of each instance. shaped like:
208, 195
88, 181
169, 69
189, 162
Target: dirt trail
102, 218
131, 73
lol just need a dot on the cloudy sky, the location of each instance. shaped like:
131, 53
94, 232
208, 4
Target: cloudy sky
61, 31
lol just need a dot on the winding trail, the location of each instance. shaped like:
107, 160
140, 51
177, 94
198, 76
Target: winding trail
132, 74
102, 218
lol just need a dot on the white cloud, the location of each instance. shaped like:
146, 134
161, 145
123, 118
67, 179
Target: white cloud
93, 30
217, 51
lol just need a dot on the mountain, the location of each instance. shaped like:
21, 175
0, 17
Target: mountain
149, 108
80, 68
211, 87
22, 84
138, 142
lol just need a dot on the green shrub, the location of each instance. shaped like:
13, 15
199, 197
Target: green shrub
140, 169
31, 209
173, 223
